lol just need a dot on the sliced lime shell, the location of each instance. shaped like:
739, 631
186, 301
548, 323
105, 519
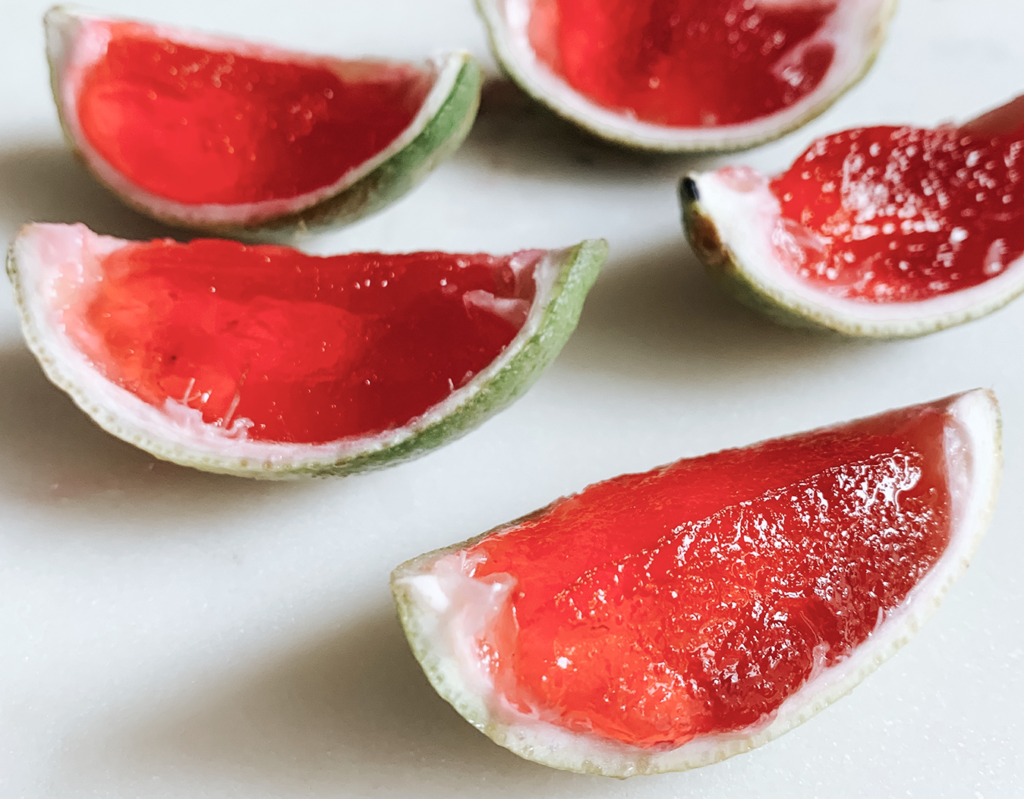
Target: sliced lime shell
435, 134
730, 231
506, 22
563, 278
440, 646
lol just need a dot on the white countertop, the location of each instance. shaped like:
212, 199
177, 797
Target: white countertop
167, 633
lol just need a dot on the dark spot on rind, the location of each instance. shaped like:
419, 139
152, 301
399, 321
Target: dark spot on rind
688, 190
703, 236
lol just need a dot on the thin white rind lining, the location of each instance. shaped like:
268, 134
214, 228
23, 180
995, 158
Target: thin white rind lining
41, 250
75, 39
974, 458
744, 222
862, 22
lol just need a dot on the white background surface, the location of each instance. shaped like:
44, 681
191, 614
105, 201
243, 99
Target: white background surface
166, 633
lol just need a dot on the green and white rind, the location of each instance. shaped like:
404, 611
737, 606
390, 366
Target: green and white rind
506, 21
975, 427
563, 278
436, 142
731, 232
440, 127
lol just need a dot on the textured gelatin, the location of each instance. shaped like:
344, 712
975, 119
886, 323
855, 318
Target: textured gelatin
202, 126
686, 63
274, 345
899, 214
694, 599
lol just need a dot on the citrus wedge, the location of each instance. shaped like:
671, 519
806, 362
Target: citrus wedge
668, 620
885, 232
237, 138
262, 361
684, 75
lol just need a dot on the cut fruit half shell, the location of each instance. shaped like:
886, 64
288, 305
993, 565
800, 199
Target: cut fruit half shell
450, 614
857, 30
736, 226
77, 41
52, 267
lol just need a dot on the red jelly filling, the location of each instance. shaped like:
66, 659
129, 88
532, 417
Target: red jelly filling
903, 214
686, 63
692, 600
197, 126
280, 346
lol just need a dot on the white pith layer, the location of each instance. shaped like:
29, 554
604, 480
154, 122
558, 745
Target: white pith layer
47, 261
856, 31
746, 220
443, 609
76, 40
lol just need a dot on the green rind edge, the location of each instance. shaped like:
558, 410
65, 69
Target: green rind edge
577, 272
625, 140
729, 272
406, 169
391, 180
725, 270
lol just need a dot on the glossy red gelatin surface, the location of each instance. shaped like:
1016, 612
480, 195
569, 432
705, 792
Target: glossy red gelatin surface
899, 214
275, 345
692, 600
202, 126
686, 63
